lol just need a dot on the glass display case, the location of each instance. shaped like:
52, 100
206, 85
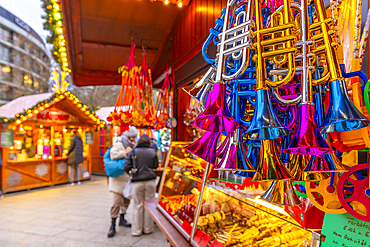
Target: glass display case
181, 184
212, 214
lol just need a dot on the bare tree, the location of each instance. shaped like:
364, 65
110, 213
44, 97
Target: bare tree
96, 96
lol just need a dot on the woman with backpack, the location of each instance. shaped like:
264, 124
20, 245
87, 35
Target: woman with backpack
117, 184
140, 163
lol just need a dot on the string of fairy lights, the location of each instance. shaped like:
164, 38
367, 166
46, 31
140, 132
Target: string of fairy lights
54, 23
59, 96
179, 3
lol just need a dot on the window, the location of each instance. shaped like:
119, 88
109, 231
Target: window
4, 53
27, 47
4, 34
16, 57
27, 62
18, 41
5, 72
36, 67
17, 76
27, 79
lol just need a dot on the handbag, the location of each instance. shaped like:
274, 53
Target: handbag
113, 168
71, 157
127, 192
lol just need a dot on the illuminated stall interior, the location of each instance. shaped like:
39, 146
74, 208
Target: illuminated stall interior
42, 137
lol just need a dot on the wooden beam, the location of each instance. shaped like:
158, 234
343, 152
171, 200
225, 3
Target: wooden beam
96, 78
109, 46
72, 23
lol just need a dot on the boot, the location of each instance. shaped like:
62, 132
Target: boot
112, 229
122, 221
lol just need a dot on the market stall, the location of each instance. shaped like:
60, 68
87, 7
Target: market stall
285, 131
36, 135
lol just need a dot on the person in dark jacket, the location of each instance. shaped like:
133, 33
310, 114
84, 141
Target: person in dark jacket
154, 145
75, 157
143, 184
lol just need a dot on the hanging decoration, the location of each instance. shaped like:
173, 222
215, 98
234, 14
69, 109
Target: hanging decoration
163, 105
134, 105
279, 106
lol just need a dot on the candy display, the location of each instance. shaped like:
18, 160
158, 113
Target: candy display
220, 215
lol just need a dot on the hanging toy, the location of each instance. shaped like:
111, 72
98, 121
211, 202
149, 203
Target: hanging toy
324, 195
134, 105
354, 192
164, 103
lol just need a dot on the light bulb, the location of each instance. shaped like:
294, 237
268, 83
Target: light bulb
166, 2
179, 4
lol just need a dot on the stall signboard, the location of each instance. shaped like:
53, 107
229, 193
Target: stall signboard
345, 230
7, 138
54, 115
89, 137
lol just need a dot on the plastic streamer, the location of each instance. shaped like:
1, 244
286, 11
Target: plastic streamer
134, 105
164, 102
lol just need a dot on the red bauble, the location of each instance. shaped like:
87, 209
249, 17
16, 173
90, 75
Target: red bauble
109, 119
124, 127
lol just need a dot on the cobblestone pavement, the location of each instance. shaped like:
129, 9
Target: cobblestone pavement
66, 216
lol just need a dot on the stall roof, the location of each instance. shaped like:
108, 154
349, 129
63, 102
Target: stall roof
18, 105
99, 36
104, 112
21, 109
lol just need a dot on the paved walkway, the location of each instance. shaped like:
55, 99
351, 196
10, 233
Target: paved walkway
66, 217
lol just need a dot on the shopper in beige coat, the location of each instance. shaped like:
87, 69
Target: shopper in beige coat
118, 184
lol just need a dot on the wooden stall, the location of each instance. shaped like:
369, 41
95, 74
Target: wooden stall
37, 155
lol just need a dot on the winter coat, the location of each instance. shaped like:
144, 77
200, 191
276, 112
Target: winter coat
118, 184
75, 152
146, 161
117, 152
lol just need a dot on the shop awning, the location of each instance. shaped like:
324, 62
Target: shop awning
104, 112
19, 105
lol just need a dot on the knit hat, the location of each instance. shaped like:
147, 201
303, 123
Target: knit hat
132, 132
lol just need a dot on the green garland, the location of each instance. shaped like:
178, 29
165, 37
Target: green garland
54, 23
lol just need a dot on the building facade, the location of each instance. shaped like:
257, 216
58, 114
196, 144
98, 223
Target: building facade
24, 61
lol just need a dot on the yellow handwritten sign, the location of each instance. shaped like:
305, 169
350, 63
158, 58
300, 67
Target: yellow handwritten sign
346, 231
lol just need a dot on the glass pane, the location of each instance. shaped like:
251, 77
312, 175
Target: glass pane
231, 222
181, 187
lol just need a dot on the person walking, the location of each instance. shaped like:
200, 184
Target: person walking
75, 157
117, 184
143, 183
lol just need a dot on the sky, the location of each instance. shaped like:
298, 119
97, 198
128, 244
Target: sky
29, 11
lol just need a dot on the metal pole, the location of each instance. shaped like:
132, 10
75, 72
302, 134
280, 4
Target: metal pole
199, 201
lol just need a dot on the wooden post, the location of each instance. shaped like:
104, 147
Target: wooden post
52, 153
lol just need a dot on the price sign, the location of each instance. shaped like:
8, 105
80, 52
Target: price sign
7, 138
89, 137
345, 230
